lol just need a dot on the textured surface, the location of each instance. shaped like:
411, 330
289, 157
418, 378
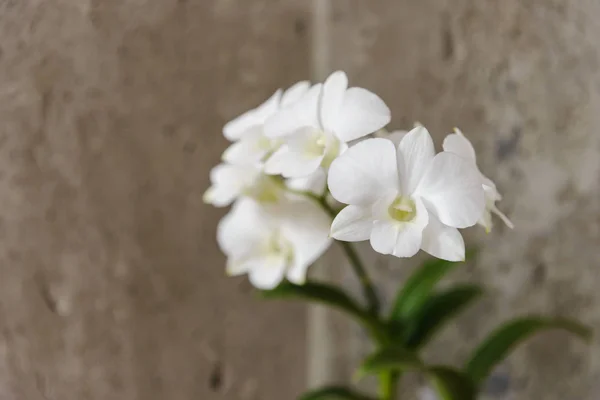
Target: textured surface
522, 80
111, 285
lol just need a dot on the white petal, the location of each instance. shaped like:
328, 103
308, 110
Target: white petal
294, 93
352, 224
442, 241
362, 113
228, 181
333, 149
502, 216
268, 108
396, 137
292, 162
384, 236
486, 220
227, 174
401, 239
268, 273
451, 189
364, 172
241, 231
332, 99
247, 150
313, 183
410, 234
237, 266
491, 193
408, 241
458, 144
306, 226
415, 153
220, 196
236, 128
297, 274
299, 114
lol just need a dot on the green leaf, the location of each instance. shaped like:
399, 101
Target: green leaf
437, 310
451, 384
329, 295
500, 342
417, 288
334, 393
390, 359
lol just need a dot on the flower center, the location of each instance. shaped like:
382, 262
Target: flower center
332, 151
278, 245
266, 189
402, 209
323, 144
268, 145
317, 144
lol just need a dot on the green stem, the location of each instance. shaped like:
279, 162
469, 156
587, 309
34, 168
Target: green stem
388, 381
355, 262
387, 385
363, 277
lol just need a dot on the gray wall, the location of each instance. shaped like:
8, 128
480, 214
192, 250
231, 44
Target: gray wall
111, 285
522, 80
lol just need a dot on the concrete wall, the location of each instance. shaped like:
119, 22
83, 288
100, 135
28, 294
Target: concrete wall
111, 285
522, 80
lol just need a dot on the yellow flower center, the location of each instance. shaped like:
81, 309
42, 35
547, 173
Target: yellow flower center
268, 145
323, 144
316, 145
266, 189
402, 209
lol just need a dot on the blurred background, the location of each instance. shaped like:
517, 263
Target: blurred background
111, 283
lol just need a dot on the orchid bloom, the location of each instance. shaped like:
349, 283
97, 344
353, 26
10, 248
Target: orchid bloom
246, 131
316, 128
315, 183
229, 182
458, 143
273, 242
405, 198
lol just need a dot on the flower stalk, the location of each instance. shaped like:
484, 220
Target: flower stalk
388, 385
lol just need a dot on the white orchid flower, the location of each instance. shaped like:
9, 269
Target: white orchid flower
246, 131
270, 243
229, 182
316, 128
406, 198
315, 183
458, 143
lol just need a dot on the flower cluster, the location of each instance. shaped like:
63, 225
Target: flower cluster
311, 141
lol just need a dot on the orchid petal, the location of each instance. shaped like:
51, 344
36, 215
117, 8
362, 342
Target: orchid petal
442, 241
364, 173
451, 189
352, 224
237, 127
301, 113
362, 113
415, 153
